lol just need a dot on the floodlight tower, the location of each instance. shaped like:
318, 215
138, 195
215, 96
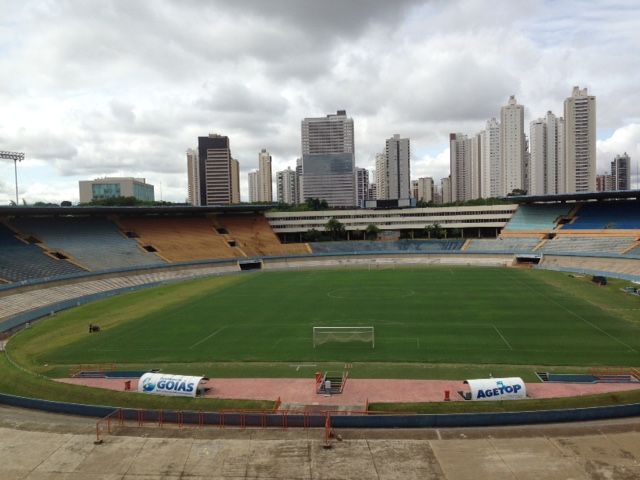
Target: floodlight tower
16, 157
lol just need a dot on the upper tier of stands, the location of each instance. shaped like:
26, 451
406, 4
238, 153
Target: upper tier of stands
505, 245
20, 261
590, 244
537, 217
402, 246
181, 239
254, 236
606, 215
95, 243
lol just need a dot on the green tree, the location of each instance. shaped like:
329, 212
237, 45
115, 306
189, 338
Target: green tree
335, 228
312, 235
316, 204
434, 230
372, 231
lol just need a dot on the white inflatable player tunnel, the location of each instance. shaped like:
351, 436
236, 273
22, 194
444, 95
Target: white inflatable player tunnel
511, 388
172, 385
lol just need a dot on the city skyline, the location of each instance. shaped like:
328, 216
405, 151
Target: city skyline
119, 89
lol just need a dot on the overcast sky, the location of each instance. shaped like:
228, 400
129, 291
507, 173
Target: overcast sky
94, 88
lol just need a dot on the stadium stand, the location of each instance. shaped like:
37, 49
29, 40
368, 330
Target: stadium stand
95, 243
537, 217
591, 244
254, 237
606, 215
21, 261
504, 245
181, 239
402, 246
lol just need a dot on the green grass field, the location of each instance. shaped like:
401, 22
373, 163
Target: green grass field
458, 315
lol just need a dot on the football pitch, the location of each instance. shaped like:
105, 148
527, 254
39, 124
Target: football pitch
466, 315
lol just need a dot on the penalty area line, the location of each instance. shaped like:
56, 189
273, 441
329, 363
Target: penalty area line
207, 338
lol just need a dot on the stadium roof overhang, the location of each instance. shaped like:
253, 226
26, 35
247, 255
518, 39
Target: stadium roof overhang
16, 211
575, 197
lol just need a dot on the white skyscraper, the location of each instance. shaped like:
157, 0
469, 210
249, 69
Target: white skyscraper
362, 184
193, 177
425, 189
512, 146
287, 186
491, 180
265, 180
398, 167
328, 159
381, 176
254, 187
580, 142
546, 155
460, 164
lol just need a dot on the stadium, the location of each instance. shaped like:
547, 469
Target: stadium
544, 286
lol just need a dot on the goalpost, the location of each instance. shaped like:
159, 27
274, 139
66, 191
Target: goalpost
343, 334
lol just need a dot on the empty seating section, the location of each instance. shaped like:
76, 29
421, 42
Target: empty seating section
181, 239
20, 261
606, 215
254, 236
506, 244
95, 243
537, 217
591, 244
402, 246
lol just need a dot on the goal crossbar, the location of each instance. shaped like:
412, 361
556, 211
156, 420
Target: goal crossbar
343, 334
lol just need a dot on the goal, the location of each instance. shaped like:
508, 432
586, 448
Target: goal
343, 334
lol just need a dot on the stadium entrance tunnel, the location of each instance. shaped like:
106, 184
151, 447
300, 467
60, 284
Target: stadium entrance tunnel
250, 265
524, 260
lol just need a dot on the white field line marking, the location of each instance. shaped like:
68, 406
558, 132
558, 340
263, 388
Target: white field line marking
452, 272
501, 336
574, 314
312, 273
298, 367
207, 338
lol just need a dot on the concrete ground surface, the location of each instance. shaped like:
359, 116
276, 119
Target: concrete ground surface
37, 445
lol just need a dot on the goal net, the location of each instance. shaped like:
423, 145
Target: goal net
343, 334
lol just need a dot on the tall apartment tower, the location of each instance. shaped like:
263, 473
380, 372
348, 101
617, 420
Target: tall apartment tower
235, 181
398, 167
445, 196
265, 180
490, 171
621, 172
254, 187
425, 190
460, 167
217, 172
299, 198
328, 159
512, 146
287, 186
362, 185
580, 142
381, 177
193, 177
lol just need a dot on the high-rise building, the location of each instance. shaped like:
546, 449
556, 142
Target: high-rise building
425, 190
287, 186
218, 182
235, 181
254, 186
362, 185
445, 196
299, 199
546, 162
512, 146
193, 177
460, 167
621, 172
604, 183
381, 177
580, 142
265, 192
490, 172
398, 167
328, 159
